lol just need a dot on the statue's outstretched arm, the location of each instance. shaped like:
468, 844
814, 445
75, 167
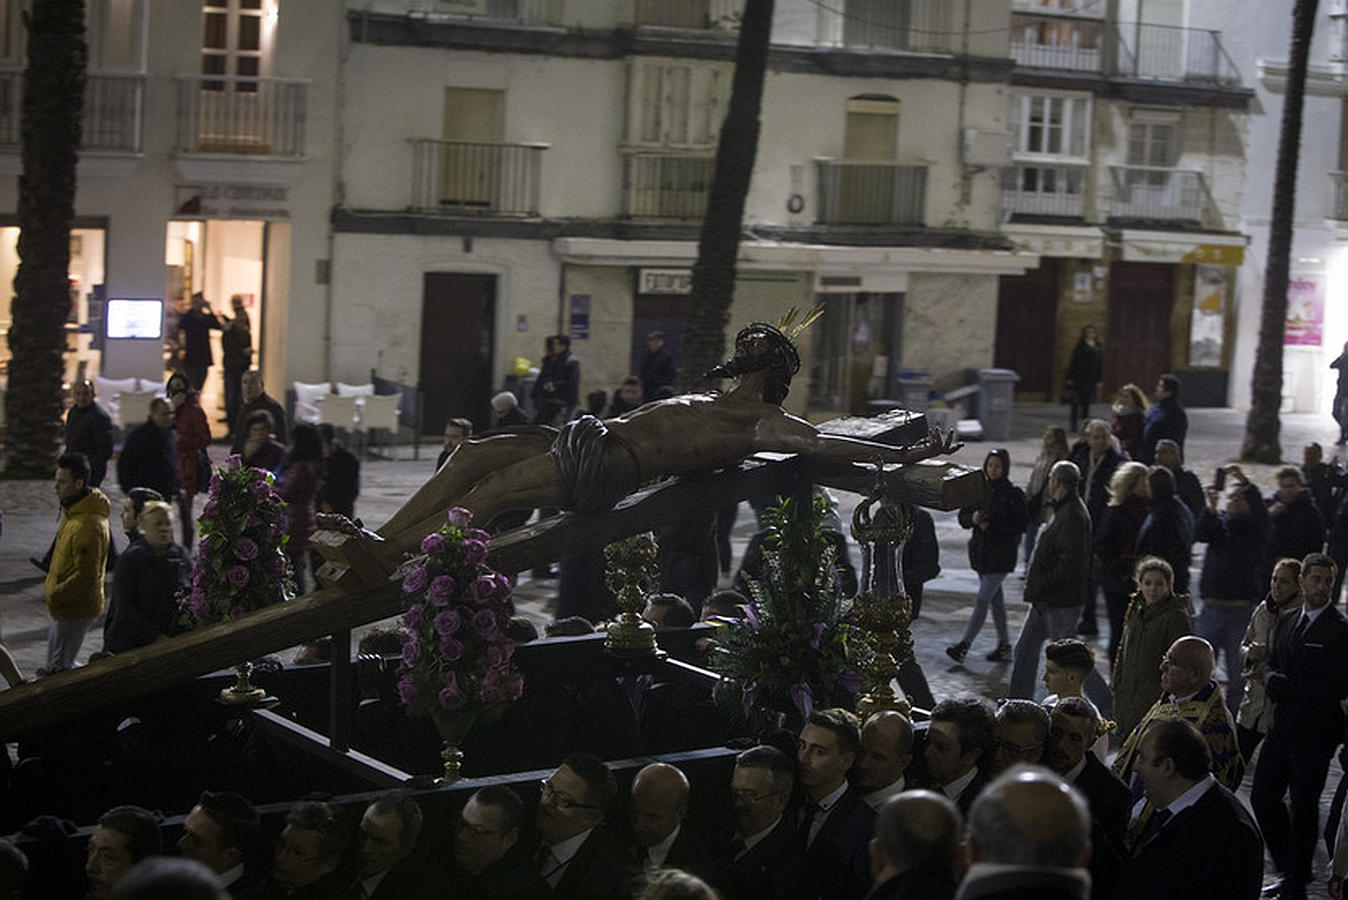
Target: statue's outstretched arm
832, 446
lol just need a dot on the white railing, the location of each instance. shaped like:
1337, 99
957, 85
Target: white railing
238, 115
1044, 190
865, 192
722, 15
519, 12
1339, 196
667, 185
911, 25
1153, 192
112, 119
1057, 42
1171, 53
467, 176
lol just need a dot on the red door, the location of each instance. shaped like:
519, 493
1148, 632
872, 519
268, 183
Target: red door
1027, 306
1137, 341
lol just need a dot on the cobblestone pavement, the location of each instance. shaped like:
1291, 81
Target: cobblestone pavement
1215, 435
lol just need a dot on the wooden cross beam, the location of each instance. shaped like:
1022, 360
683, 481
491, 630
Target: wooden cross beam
136, 673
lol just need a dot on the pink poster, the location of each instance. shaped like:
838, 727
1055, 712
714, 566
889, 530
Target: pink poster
1305, 311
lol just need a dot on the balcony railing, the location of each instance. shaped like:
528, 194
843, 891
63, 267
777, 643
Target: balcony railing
114, 107
469, 177
1152, 52
865, 192
519, 12
1152, 192
667, 185
245, 116
722, 15
911, 25
1044, 190
1338, 196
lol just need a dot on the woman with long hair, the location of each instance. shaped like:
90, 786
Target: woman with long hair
1255, 715
1036, 491
1116, 544
1084, 374
997, 525
300, 483
1157, 617
1126, 418
193, 434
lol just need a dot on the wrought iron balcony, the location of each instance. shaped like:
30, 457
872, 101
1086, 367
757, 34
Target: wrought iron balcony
237, 115
1161, 194
867, 192
904, 25
722, 15
1338, 197
1066, 40
667, 185
112, 119
471, 177
1044, 190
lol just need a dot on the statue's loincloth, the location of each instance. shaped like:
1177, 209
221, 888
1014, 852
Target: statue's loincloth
596, 467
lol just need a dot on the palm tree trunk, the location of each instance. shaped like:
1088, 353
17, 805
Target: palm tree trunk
53, 99
1262, 425
713, 287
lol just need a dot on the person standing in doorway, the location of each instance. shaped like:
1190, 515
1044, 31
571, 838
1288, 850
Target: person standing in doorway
1085, 372
194, 334
559, 376
237, 344
658, 369
1341, 395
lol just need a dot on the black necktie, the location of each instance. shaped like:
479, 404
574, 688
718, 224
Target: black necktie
1300, 631
1154, 825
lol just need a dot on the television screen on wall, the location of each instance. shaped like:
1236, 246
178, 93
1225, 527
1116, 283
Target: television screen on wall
135, 319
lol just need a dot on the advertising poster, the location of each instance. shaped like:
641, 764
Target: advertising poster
1305, 311
1209, 317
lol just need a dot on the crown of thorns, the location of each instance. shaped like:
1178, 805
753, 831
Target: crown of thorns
760, 346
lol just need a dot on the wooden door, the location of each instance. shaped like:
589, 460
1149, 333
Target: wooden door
1137, 339
1027, 310
458, 325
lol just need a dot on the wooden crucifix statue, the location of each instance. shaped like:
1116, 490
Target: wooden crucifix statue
589, 464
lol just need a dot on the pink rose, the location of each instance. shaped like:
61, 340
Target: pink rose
484, 623
491, 692
447, 622
477, 534
451, 698
460, 517
451, 649
415, 580
210, 510
407, 689
245, 548
412, 618
483, 587
260, 489
441, 590
475, 552
234, 462
411, 653
433, 545
238, 576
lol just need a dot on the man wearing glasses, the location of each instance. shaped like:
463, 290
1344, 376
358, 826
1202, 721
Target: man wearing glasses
766, 855
1188, 691
486, 861
579, 855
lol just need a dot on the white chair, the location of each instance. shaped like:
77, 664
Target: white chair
379, 413
339, 412
308, 398
108, 393
354, 390
135, 407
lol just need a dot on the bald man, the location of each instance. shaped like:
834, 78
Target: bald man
659, 805
1029, 836
915, 849
1189, 691
886, 751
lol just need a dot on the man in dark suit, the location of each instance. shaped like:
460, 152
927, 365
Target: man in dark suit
886, 751
389, 831
1097, 459
219, 833
1029, 837
254, 398
659, 804
1073, 729
580, 856
486, 850
341, 476
306, 861
1191, 837
960, 738
914, 854
766, 858
835, 823
1307, 678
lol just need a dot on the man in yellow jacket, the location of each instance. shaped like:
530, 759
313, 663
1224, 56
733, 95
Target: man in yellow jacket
74, 586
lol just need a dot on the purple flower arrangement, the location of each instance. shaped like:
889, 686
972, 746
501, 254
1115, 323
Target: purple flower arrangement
241, 564
456, 609
791, 650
